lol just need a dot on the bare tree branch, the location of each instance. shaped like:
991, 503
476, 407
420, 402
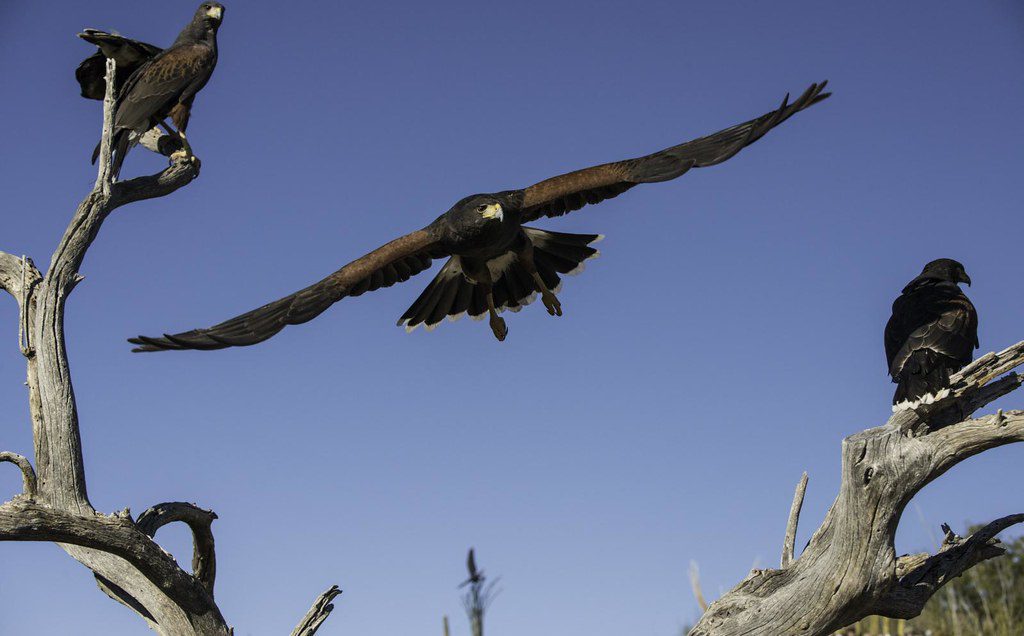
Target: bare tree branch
19, 277
789, 543
698, 592
160, 142
849, 570
204, 557
921, 575
10, 274
17, 274
103, 176
317, 614
28, 476
23, 520
58, 443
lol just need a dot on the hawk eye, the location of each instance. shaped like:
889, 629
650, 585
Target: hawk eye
481, 208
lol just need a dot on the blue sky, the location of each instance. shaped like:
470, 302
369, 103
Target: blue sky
726, 340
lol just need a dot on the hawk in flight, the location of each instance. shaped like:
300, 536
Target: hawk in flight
495, 262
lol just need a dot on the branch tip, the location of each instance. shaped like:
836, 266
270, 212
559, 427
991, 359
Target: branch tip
28, 474
789, 543
317, 614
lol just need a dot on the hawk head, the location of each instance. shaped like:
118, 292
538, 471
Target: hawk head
211, 13
941, 270
946, 269
479, 210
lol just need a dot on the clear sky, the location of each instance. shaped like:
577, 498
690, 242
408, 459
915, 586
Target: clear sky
727, 339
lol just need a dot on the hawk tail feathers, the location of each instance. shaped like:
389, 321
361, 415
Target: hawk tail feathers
925, 373
121, 142
451, 295
120, 145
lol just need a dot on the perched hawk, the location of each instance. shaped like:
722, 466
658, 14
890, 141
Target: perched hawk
162, 86
932, 333
494, 261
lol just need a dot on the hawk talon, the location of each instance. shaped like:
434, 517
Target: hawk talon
551, 303
185, 146
498, 327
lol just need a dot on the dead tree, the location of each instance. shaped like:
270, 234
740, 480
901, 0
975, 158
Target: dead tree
54, 506
849, 569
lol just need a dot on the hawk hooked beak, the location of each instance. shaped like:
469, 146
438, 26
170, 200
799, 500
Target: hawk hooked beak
493, 211
217, 13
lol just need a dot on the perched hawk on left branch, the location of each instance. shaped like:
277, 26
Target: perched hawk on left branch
161, 84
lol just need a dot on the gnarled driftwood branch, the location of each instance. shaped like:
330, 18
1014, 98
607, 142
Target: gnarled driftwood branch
849, 569
204, 557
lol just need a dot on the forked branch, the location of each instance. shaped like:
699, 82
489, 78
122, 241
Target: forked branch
204, 556
317, 614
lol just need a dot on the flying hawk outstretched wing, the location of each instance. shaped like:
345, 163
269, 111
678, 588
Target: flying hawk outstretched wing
569, 192
391, 263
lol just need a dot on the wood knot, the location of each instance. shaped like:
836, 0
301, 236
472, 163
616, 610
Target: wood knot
869, 475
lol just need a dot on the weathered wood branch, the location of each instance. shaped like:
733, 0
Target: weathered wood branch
17, 275
698, 591
921, 575
789, 542
117, 534
849, 570
317, 614
204, 555
58, 445
128, 564
28, 475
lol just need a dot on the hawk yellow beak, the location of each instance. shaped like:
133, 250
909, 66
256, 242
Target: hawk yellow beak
215, 12
493, 211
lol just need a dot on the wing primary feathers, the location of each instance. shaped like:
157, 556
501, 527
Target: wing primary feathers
571, 191
368, 272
